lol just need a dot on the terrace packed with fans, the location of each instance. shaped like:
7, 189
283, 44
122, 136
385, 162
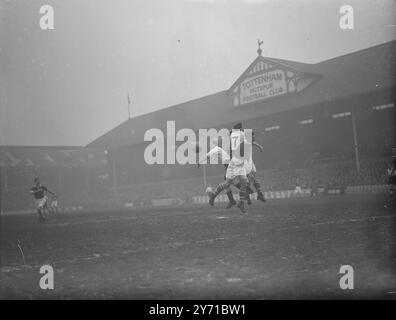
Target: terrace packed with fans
93, 188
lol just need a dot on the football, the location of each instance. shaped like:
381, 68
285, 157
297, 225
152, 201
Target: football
209, 190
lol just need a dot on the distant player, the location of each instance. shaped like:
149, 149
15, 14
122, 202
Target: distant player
297, 188
38, 192
236, 170
54, 205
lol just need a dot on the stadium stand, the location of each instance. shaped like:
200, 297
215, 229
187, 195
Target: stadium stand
92, 188
332, 127
323, 176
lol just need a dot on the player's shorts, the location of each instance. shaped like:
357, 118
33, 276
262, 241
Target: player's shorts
39, 203
250, 167
234, 170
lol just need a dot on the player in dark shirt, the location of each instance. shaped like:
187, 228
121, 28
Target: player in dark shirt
38, 191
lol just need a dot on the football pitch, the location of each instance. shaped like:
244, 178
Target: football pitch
282, 249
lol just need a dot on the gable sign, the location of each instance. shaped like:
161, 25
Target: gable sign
264, 80
262, 86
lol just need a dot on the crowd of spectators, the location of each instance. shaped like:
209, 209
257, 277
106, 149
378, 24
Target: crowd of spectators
320, 176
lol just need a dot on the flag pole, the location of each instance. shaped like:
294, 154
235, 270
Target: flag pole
355, 141
129, 106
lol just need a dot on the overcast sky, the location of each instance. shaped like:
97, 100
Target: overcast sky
68, 86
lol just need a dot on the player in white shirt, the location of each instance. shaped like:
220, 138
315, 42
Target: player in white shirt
236, 170
218, 155
252, 180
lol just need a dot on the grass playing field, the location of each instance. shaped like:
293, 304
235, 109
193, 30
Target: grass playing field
281, 249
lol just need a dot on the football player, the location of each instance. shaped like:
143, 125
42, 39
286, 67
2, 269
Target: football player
38, 191
236, 170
